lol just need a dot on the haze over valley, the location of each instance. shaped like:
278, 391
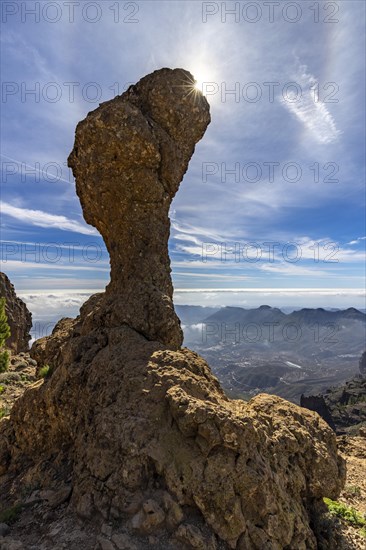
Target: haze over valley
266, 349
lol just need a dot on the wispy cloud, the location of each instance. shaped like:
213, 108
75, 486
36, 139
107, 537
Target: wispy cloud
18, 265
293, 270
358, 240
213, 276
310, 110
291, 249
44, 219
36, 169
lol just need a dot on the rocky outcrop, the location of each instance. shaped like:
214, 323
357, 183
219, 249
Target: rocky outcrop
21, 373
138, 431
318, 404
52, 346
343, 407
129, 158
130, 422
19, 318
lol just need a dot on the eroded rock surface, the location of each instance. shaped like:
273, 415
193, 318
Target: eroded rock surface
52, 346
129, 158
19, 317
139, 431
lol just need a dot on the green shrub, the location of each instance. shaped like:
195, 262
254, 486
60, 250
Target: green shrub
10, 515
4, 361
2, 389
348, 513
4, 335
4, 327
4, 411
44, 371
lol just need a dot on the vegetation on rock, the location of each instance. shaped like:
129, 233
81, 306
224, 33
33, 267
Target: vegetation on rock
18, 316
4, 335
345, 512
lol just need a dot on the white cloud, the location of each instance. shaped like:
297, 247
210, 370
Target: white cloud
293, 269
310, 110
19, 265
358, 240
46, 309
190, 232
44, 219
307, 291
289, 249
213, 276
38, 171
275, 297
60, 245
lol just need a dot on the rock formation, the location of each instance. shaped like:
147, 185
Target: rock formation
129, 158
19, 318
52, 346
342, 407
137, 430
318, 404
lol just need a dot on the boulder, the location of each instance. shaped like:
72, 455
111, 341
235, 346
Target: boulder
52, 345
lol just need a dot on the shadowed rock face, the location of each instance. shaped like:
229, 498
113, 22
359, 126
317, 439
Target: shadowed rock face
318, 404
129, 158
19, 318
343, 407
140, 432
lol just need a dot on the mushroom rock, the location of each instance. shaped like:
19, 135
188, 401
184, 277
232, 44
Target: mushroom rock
128, 160
139, 428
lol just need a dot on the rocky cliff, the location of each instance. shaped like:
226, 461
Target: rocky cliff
19, 318
343, 407
129, 427
318, 404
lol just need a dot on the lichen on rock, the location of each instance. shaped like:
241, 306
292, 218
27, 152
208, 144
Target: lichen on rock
140, 426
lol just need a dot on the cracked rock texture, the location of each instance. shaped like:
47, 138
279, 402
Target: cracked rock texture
19, 317
137, 427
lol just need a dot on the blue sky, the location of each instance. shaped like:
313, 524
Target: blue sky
274, 197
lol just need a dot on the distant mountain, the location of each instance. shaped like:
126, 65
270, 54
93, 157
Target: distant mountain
190, 315
323, 316
263, 314
265, 349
